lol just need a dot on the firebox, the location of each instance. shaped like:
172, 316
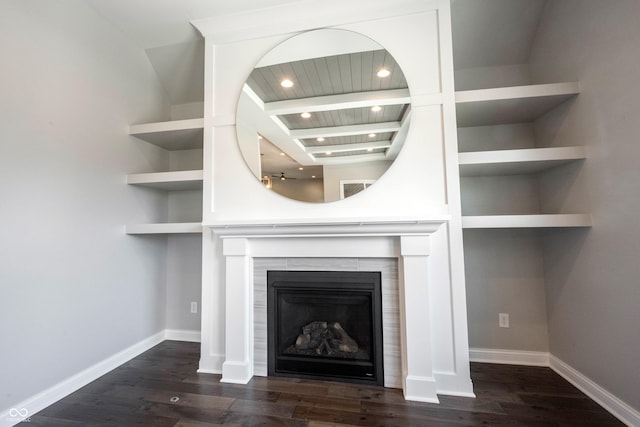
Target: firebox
325, 325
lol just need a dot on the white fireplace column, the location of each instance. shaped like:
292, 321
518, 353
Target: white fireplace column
238, 365
418, 382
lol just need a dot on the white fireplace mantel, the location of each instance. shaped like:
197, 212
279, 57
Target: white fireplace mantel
328, 227
406, 240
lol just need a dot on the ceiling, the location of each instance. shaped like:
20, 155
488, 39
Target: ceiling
174, 47
485, 33
155, 23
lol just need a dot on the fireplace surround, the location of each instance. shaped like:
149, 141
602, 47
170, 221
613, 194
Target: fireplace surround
433, 356
325, 325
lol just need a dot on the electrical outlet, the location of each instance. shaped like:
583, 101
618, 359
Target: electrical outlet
194, 307
503, 320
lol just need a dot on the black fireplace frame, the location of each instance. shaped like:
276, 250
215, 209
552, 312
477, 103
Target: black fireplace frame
341, 282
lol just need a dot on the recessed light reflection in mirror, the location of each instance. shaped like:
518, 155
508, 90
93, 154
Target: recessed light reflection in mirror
323, 115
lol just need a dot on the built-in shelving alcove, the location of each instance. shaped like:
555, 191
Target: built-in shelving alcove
509, 174
177, 218
499, 182
523, 184
182, 139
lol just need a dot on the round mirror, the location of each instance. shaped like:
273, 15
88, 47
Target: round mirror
323, 115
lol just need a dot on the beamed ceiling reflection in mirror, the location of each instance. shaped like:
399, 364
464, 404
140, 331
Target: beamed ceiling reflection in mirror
323, 115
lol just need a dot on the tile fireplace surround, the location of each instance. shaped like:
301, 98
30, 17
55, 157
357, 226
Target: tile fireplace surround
427, 361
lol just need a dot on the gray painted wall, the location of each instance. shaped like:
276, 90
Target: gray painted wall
184, 252
593, 295
490, 77
334, 173
505, 274
74, 288
184, 280
308, 190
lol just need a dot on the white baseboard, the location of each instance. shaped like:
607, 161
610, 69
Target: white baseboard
20, 411
182, 335
211, 364
509, 357
608, 401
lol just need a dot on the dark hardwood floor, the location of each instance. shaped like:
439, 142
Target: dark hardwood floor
140, 391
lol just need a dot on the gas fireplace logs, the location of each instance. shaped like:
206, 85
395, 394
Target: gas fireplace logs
325, 338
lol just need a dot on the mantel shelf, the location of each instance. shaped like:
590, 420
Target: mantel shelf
513, 162
330, 227
172, 135
170, 181
517, 104
527, 221
165, 228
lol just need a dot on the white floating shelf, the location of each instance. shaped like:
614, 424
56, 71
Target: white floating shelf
517, 104
171, 181
527, 221
515, 162
172, 135
165, 228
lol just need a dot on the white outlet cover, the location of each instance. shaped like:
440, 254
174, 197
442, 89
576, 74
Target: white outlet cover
503, 320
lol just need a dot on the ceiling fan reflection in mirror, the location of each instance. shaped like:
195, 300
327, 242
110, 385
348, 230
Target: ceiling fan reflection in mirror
282, 177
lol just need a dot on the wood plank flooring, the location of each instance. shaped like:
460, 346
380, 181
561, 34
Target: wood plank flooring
139, 393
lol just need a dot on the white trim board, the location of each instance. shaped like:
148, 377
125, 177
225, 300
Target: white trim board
181, 335
602, 397
509, 357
